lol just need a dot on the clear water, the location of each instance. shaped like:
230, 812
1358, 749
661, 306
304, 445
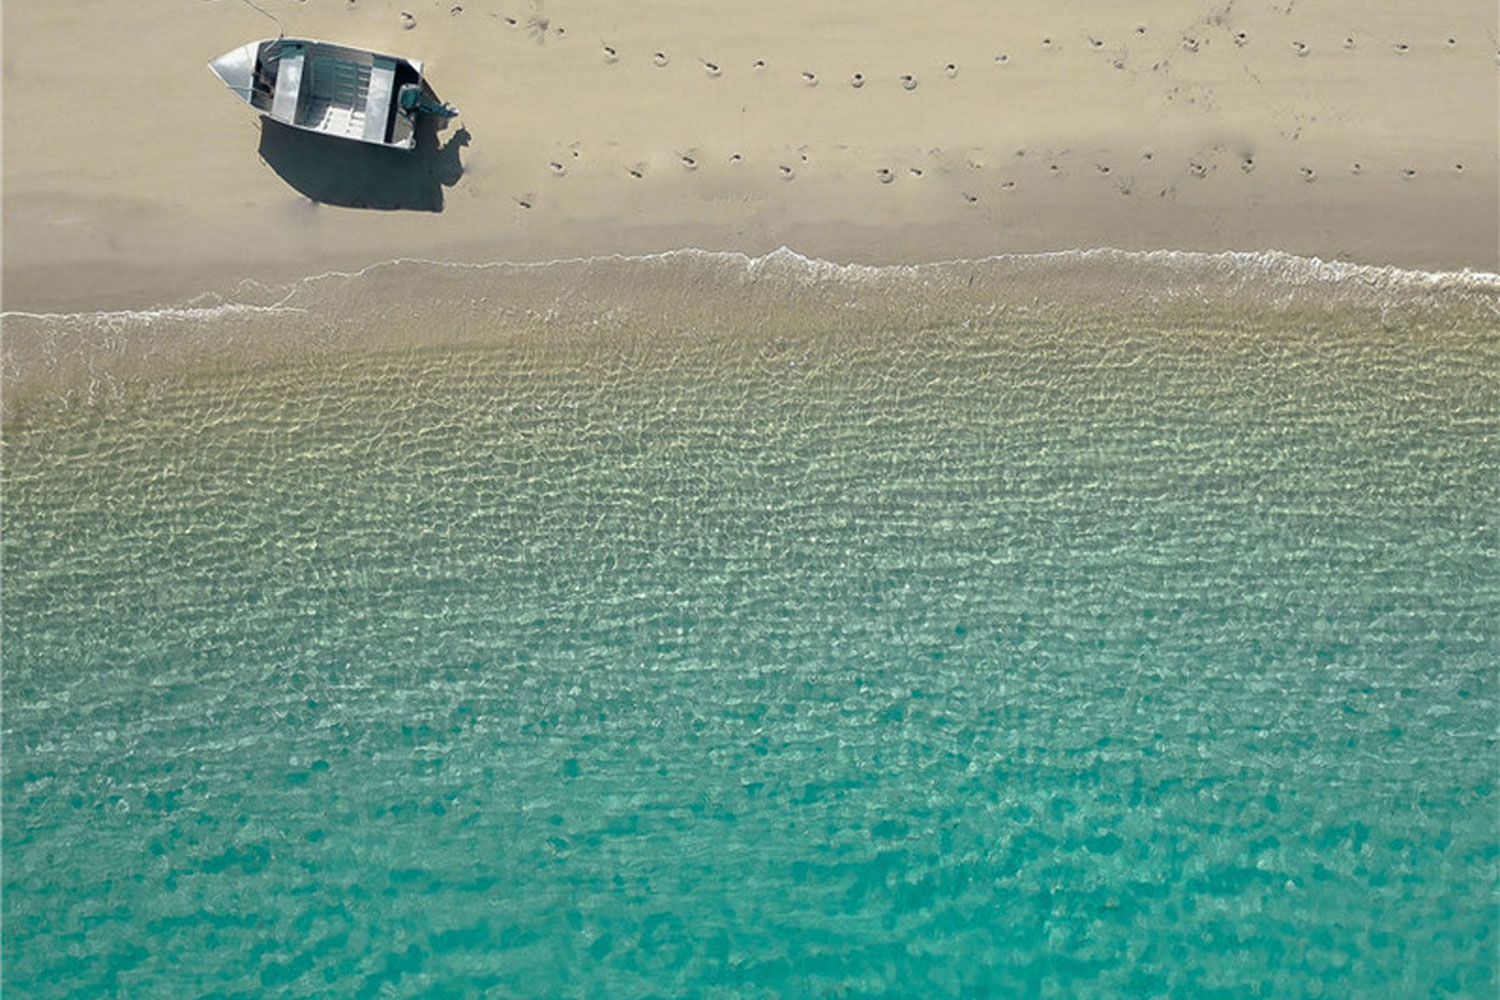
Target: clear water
686, 627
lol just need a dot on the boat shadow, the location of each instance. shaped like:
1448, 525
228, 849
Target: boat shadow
351, 174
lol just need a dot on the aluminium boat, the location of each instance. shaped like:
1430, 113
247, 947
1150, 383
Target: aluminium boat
331, 89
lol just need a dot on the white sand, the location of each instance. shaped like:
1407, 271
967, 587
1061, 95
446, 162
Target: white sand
1339, 129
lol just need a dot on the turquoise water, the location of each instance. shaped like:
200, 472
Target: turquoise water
696, 631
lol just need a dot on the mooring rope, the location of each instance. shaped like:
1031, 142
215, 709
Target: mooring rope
280, 28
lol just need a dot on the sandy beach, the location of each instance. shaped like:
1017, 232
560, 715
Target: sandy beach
874, 133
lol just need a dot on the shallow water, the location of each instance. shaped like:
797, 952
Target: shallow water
694, 626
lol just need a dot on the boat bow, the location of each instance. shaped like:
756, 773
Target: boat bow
237, 69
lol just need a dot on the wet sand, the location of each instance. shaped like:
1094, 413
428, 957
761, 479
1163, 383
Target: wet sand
888, 134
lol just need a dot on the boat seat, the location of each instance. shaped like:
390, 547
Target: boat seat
288, 85
378, 99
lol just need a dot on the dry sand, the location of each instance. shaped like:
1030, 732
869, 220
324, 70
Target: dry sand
1339, 129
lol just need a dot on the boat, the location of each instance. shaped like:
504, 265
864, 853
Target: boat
331, 89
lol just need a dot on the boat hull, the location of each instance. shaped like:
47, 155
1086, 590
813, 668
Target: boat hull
322, 87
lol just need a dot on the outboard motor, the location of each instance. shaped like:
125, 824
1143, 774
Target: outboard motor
412, 101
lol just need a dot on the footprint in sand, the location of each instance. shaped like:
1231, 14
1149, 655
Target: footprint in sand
810, 78
951, 70
455, 10
857, 80
1301, 49
884, 175
408, 20
1242, 38
908, 82
688, 161
526, 200
970, 198
1408, 173
610, 55
735, 158
1247, 164
660, 59
1190, 44
1458, 168
1008, 186
758, 64
1401, 48
638, 171
916, 171
1002, 59
558, 170
1356, 168
1349, 42
711, 68
1308, 174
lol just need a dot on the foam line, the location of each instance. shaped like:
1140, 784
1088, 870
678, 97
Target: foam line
164, 313
1277, 266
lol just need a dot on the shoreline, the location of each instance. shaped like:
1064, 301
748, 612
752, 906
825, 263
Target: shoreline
78, 288
262, 290
54, 362
1339, 132
1270, 266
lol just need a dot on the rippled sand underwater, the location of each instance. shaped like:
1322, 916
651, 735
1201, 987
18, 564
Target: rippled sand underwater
698, 626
